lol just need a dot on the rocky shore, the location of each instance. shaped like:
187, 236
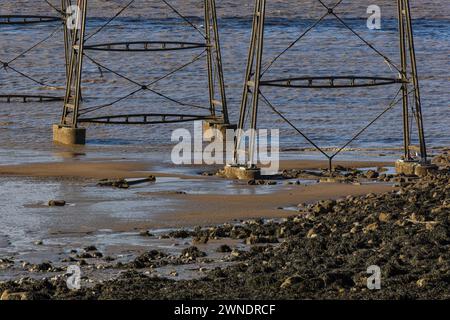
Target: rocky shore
321, 252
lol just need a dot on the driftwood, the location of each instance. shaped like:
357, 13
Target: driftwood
124, 183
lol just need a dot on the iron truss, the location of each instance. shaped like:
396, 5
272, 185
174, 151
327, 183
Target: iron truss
27, 19
147, 118
27, 98
252, 94
142, 46
19, 20
330, 82
78, 52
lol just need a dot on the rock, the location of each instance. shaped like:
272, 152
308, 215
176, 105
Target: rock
236, 253
145, 233
328, 204
90, 248
39, 243
148, 259
371, 227
371, 174
82, 262
421, 283
254, 239
8, 295
6, 261
251, 240
319, 209
180, 234
85, 255
224, 248
97, 254
56, 203
69, 259
192, 253
281, 232
384, 217
200, 240
288, 282
311, 234
42, 267
442, 160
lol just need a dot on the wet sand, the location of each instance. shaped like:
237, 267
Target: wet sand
82, 169
189, 209
216, 209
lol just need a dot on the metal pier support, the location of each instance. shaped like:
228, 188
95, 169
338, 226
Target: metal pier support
407, 20
67, 131
408, 81
76, 50
250, 94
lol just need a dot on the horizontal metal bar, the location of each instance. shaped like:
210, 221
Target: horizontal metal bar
150, 118
330, 82
142, 46
27, 19
28, 98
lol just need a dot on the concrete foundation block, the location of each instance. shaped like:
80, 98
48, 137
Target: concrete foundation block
241, 172
68, 135
414, 168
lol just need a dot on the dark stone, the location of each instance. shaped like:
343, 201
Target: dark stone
224, 248
56, 203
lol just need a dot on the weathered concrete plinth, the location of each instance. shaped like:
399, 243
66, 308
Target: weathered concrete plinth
68, 135
219, 126
241, 172
414, 168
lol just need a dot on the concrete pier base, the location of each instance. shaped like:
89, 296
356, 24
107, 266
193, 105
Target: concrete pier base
241, 172
68, 135
414, 168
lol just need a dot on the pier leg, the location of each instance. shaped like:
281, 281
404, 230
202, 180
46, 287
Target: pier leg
69, 135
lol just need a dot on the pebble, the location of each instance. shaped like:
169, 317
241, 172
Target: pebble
56, 203
8, 295
288, 282
384, 217
145, 233
224, 248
